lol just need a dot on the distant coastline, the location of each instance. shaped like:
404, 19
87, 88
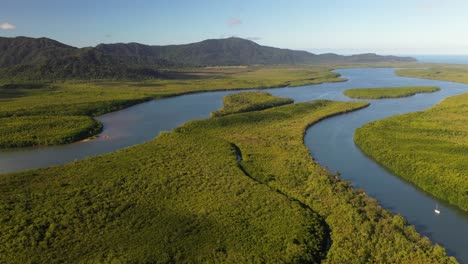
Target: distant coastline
447, 59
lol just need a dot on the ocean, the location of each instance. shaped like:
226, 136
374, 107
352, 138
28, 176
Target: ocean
448, 59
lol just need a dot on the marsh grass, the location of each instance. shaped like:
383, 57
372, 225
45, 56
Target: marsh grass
249, 101
93, 98
26, 131
187, 196
452, 73
428, 148
389, 92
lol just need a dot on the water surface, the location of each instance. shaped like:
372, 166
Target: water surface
330, 142
446, 59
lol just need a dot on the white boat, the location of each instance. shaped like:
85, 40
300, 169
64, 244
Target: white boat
436, 210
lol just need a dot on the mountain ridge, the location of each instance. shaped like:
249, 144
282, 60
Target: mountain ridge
47, 58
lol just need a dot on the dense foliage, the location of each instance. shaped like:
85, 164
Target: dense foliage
274, 154
45, 130
240, 188
44, 58
250, 101
34, 114
389, 92
81, 98
450, 73
428, 148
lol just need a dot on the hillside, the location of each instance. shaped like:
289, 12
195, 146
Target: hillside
42, 58
23, 50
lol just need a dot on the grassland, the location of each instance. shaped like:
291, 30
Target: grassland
428, 148
389, 92
92, 98
451, 73
259, 197
250, 101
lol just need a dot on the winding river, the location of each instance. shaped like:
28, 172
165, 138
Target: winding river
330, 142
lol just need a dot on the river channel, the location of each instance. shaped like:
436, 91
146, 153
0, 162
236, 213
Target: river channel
330, 143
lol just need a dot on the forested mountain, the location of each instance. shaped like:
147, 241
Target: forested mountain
39, 58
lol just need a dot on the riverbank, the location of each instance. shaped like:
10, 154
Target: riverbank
165, 173
388, 92
143, 122
427, 148
85, 99
450, 73
249, 101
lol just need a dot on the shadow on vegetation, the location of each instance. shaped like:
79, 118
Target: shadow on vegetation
7, 94
326, 242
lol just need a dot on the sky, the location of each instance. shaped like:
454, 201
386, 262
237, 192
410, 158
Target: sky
319, 26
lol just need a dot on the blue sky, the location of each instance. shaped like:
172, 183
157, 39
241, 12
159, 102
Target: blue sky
353, 26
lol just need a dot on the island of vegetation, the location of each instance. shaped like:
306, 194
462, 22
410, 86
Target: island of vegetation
428, 148
388, 92
249, 101
259, 197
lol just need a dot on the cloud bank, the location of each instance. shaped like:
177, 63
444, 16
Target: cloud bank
7, 26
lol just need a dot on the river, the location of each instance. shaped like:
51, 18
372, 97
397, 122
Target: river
329, 141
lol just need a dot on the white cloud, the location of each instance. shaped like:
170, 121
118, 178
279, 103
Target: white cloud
7, 26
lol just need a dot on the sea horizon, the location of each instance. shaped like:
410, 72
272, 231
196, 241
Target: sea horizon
440, 58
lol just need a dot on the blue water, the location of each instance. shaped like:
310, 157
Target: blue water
330, 142
447, 59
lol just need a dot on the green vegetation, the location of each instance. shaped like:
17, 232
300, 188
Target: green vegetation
88, 99
44, 58
427, 148
452, 73
133, 207
250, 101
389, 92
255, 199
45, 130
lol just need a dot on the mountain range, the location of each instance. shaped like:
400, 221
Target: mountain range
44, 58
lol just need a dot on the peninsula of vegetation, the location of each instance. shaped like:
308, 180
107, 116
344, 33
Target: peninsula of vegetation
24, 131
249, 101
259, 197
427, 148
388, 92
451, 73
